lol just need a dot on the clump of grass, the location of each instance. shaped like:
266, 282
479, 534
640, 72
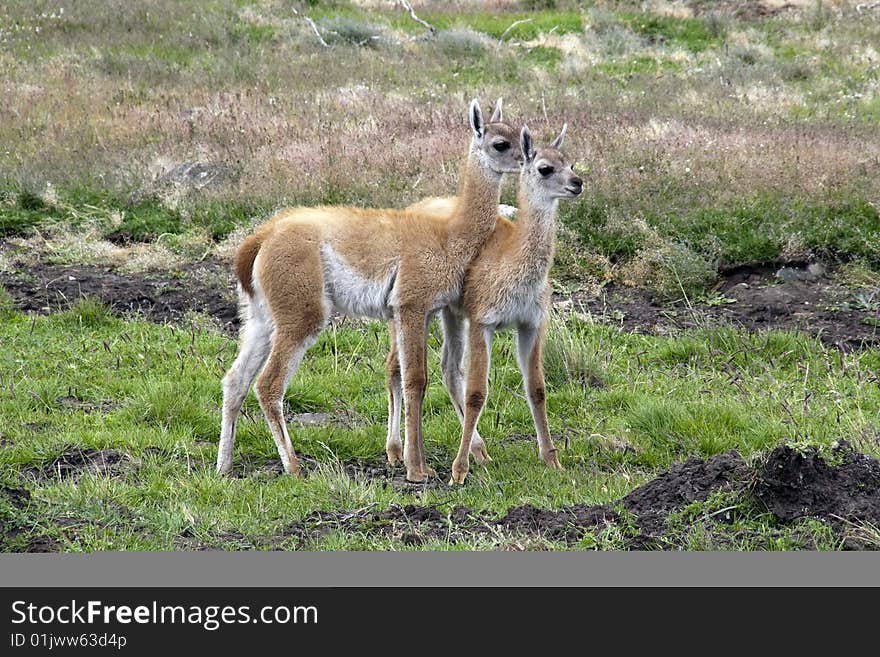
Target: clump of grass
7, 307
670, 269
569, 358
350, 31
858, 274
88, 313
462, 43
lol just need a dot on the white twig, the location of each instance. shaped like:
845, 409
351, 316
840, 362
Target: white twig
314, 28
868, 5
414, 16
513, 25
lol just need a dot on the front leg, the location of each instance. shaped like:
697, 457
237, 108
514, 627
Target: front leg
479, 353
412, 332
529, 356
451, 363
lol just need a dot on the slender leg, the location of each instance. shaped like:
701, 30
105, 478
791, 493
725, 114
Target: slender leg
412, 330
528, 354
287, 352
479, 351
393, 444
255, 343
453, 376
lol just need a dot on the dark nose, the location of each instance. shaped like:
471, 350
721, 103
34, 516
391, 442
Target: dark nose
577, 184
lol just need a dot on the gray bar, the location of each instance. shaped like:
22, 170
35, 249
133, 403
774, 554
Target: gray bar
418, 569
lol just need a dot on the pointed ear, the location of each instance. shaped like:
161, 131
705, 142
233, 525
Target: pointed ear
476, 117
497, 116
557, 143
525, 143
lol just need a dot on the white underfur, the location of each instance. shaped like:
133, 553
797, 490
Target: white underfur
351, 293
521, 306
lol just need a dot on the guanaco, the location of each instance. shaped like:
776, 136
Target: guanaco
506, 286
382, 264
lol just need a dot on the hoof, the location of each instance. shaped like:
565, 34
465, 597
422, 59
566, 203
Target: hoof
458, 479
417, 477
395, 454
552, 460
480, 453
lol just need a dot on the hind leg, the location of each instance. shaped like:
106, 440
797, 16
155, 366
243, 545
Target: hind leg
252, 354
289, 278
288, 349
451, 363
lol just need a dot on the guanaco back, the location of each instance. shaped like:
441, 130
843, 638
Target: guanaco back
303, 263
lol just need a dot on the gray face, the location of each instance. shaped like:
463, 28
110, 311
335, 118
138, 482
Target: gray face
501, 148
497, 143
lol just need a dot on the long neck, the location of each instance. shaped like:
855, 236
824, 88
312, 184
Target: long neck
476, 207
535, 232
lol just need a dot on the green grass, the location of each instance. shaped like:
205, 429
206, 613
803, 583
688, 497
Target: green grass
694, 34
153, 393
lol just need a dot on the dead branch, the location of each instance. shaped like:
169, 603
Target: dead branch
414, 16
314, 28
513, 25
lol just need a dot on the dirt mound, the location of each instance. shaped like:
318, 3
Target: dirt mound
691, 481
797, 483
76, 462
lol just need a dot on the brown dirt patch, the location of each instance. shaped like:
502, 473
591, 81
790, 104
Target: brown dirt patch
796, 483
75, 462
799, 301
161, 296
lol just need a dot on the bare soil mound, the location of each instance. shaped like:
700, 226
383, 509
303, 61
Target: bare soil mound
74, 462
797, 483
790, 483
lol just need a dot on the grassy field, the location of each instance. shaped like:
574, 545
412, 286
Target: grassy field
149, 138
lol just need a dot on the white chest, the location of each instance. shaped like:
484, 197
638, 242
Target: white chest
521, 304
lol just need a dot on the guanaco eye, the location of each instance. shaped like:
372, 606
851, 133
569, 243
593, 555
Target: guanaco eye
501, 146
545, 170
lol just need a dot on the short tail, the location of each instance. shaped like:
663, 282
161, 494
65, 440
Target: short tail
244, 261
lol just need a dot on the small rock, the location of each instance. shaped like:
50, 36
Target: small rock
789, 274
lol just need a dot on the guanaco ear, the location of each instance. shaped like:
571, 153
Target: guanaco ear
497, 116
477, 124
557, 143
525, 143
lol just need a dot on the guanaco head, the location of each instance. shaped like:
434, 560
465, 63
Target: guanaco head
546, 173
494, 142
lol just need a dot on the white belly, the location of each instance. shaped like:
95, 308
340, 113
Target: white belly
351, 293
